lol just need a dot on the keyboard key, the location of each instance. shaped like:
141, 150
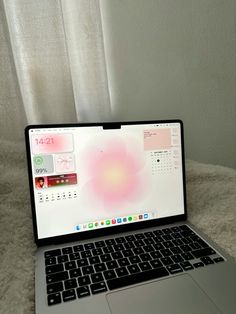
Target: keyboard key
177, 242
218, 259
109, 274
123, 262
98, 287
145, 257
110, 242
82, 262
149, 234
78, 248
148, 241
85, 254
89, 246
97, 277
112, 265
158, 232
108, 249
69, 284
198, 264
168, 244
137, 278
84, 281
176, 250
148, 248
195, 245
207, 260
55, 287
167, 237
57, 277
54, 298
158, 239
158, 246
94, 260
99, 244
74, 256
50, 261
70, 265
156, 263
87, 270
130, 238
118, 247
166, 252
139, 243
120, 240
76, 272
155, 254
127, 253
174, 268
129, 245
175, 229
52, 253
167, 230
54, 268
105, 257
67, 250
100, 267
97, 251
83, 292
145, 266
177, 258
134, 259
138, 250
185, 248
139, 236
186, 265
133, 269
203, 252
166, 260
68, 295
122, 271
116, 255
62, 259
187, 256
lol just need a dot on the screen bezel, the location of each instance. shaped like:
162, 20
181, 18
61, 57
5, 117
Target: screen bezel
104, 231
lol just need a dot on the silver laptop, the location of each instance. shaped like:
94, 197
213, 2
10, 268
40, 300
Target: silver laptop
110, 223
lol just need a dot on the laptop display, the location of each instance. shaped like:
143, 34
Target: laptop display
88, 177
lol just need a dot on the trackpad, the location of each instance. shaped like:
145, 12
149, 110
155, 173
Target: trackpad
175, 295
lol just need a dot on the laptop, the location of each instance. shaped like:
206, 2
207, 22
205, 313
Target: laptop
110, 222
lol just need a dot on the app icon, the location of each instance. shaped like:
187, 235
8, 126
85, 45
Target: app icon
135, 218
124, 219
77, 228
84, 226
102, 223
118, 220
113, 221
90, 225
108, 222
96, 224
140, 216
130, 218
145, 216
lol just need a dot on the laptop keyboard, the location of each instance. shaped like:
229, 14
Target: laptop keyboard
86, 269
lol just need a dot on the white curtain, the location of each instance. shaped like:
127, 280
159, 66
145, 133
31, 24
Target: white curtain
55, 53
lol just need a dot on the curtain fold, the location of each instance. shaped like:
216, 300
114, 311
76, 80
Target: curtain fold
58, 54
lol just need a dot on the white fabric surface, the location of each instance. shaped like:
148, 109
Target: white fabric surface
211, 207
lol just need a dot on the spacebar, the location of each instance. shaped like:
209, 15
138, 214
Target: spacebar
136, 278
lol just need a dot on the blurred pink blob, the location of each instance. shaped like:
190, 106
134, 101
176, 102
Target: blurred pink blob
114, 174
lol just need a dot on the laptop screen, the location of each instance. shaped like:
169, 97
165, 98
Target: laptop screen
88, 177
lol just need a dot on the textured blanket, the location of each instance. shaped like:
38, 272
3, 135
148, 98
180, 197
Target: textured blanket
211, 198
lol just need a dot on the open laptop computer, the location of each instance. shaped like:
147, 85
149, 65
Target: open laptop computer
110, 223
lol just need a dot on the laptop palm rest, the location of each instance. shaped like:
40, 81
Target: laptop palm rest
176, 295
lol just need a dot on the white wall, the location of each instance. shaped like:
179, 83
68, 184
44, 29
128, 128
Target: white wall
176, 59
